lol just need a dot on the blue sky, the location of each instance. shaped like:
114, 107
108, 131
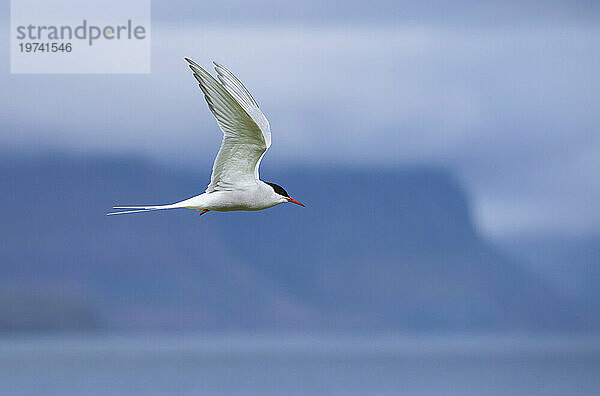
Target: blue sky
505, 95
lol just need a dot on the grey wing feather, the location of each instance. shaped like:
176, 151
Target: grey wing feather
246, 131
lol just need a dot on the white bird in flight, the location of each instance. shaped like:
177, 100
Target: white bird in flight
234, 183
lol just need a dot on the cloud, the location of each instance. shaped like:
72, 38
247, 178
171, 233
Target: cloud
439, 12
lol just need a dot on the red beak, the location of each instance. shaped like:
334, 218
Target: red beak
292, 200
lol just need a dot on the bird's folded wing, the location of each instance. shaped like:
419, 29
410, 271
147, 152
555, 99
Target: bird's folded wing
246, 131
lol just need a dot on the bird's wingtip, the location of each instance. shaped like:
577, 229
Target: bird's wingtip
191, 62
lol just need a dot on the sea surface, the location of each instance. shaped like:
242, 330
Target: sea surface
298, 365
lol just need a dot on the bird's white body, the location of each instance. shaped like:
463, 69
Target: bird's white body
234, 183
257, 197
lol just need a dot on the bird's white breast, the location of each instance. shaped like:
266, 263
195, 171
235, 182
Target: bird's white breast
256, 197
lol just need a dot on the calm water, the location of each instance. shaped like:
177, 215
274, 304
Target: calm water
228, 365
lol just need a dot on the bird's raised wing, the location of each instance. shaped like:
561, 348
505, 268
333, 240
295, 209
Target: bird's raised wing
246, 131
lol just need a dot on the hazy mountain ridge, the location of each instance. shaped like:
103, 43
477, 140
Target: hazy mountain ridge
570, 263
378, 248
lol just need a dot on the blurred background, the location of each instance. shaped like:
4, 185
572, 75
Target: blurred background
449, 157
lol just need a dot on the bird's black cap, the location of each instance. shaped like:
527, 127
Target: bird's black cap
278, 189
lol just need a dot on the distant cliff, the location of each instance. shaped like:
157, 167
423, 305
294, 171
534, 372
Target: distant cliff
388, 249
34, 311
